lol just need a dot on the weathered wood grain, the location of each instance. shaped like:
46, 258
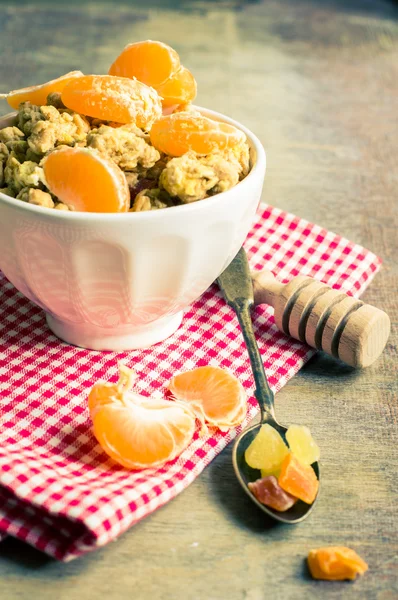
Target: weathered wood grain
318, 82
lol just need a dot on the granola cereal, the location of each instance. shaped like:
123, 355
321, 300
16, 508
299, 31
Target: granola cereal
19, 175
155, 180
11, 134
54, 99
36, 196
3, 159
192, 178
151, 199
127, 146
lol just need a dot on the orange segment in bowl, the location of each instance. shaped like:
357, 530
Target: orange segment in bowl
135, 431
150, 62
214, 394
85, 181
113, 99
181, 132
179, 89
37, 94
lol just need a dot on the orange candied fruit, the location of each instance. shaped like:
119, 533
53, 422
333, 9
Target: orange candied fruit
298, 480
85, 181
37, 94
113, 99
335, 563
181, 132
149, 61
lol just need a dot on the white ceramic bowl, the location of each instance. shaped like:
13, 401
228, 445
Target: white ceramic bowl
122, 281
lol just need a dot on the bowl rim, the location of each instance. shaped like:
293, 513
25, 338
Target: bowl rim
256, 170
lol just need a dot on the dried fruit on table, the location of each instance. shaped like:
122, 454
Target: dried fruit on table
269, 492
182, 132
215, 395
85, 181
267, 451
302, 444
37, 94
149, 61
298, 479
112, 98
335, 563
138, 432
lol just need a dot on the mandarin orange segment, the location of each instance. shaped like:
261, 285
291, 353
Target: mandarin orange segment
113, 99
335, 563
135, 431
181, 132
85, 181
149, 61
179, 89
37, 94
214, 395
298, 480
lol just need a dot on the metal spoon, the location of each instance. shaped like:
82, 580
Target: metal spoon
236, 284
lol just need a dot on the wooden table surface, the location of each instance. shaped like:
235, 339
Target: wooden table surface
318, 82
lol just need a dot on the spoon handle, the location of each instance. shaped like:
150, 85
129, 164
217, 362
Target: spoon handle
263, 393
236, 285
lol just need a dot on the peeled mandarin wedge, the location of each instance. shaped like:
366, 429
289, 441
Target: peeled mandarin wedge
113, 99
135, 431
214, 395
156, 64
149, 61
179, 89
85, 181
37, 94
181, 132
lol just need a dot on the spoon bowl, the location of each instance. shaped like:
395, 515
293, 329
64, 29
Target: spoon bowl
245, 474
236, 284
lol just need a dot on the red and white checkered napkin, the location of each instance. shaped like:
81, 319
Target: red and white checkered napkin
58, 490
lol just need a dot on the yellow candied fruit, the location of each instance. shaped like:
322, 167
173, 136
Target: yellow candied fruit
267, 451
302, 444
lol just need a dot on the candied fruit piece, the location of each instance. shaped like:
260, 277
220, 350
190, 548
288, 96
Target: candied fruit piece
267, 451
298, 479
265, 473
269, 492
302, 444
335, 563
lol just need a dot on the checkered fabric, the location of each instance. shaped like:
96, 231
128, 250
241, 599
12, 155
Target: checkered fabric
58, 491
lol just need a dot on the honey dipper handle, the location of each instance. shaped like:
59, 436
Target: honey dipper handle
324, 318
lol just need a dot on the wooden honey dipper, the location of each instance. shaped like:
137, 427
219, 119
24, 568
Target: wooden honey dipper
324, 318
